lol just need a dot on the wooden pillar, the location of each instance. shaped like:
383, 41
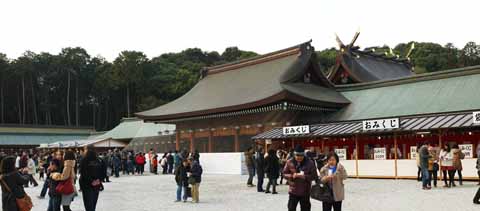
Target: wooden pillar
210, 141
395, 147
177, 140
356, 156
323, 145
440, 145
192, 135
236, 141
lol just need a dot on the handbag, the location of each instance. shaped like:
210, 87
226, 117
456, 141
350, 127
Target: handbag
191, 181
23, 204
322, 192
65, 187
189, 192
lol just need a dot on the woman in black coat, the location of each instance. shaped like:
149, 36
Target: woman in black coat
272, 168
15, 182
92, 173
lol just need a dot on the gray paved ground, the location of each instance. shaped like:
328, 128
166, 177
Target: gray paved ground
226, 192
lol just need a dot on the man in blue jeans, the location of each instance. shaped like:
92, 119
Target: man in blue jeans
182, 180
424, 156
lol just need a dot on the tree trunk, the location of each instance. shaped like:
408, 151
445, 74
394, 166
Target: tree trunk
68, 99
77, 104
93, 112
19, 107
105, 126
23, 98
2, 113
34, 103
128, 100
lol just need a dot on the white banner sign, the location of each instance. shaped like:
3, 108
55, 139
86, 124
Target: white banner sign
467, 149
413, 152
295, 130
476, 117
380, 124
342, 153
268, 141
380, 153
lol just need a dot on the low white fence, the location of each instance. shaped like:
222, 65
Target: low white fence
234, 164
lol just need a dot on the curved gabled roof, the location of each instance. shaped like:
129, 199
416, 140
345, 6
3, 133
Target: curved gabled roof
250, 83
366, 66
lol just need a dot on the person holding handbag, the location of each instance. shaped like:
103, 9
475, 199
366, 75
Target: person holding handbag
55, 199
66, 178
12, 183
333, 174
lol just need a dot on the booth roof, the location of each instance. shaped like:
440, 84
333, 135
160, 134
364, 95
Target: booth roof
133, 127
441, 92
418, 123
251, 83
36, 139
75, 143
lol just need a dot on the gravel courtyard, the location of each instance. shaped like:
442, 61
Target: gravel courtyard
227, 192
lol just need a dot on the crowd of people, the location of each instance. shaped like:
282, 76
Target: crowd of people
59, 170
299, 168
447, 160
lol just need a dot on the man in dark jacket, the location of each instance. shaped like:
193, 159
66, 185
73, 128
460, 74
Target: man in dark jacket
272, 168
299, 172
170, 162
260, 166
424, 156
182, 180
196, 172
250, 163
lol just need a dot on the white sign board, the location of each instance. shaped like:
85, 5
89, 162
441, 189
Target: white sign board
467, 149
268, 141
476, 117
342, 153
413, 152
380, 124
380, 153
296, 130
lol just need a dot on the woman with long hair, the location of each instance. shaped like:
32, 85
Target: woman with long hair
12, 183
68, 173
457, 162
446, 165
91, 175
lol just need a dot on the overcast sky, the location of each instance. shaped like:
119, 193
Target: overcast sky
106, 27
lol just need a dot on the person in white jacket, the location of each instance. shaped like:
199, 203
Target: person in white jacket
446, 165
31, 169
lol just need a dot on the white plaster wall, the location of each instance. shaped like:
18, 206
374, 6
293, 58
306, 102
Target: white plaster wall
222, 163
349, 166
376, 167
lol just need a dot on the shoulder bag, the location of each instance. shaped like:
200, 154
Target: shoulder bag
65, 187
23, 204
